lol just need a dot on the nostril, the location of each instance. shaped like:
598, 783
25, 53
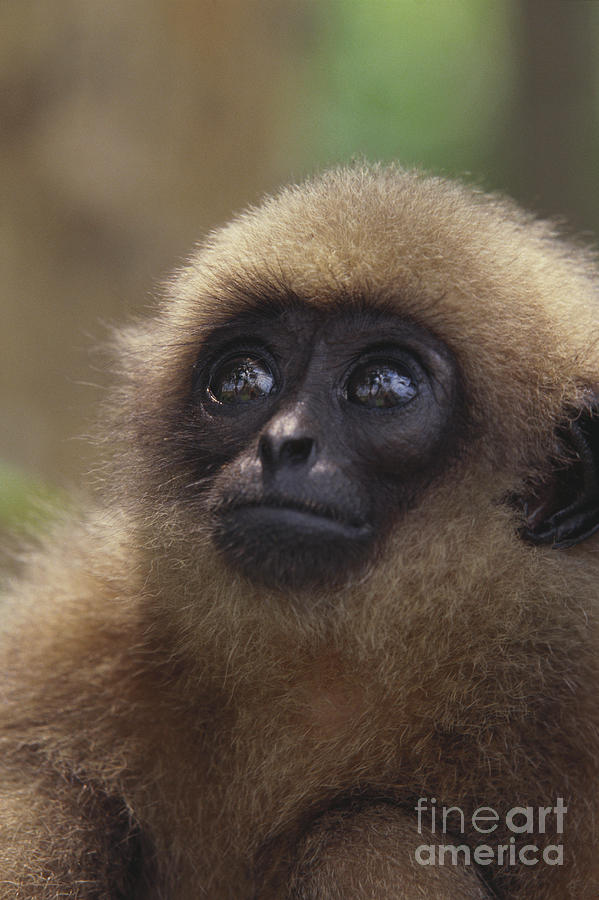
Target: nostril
296, 450
275, 452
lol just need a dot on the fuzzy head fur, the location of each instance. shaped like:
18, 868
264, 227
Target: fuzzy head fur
516, 306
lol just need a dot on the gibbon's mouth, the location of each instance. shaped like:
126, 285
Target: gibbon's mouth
286, 544
304, 520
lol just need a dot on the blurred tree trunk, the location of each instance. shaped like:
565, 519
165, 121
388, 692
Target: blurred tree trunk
553, 146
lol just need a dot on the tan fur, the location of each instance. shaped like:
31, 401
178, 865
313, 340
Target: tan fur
162, 715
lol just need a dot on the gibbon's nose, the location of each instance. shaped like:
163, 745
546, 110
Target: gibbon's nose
285, 443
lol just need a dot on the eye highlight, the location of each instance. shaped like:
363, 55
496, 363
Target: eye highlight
380, 384
241, 379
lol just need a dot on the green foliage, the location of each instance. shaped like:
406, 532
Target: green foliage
26, 504
424, 82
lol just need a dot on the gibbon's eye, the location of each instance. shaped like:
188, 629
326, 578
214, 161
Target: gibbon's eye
380, 385
241, 379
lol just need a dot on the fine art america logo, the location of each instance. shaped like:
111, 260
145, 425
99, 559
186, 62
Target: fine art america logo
520, 820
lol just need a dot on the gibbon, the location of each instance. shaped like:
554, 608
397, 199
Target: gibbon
330, 630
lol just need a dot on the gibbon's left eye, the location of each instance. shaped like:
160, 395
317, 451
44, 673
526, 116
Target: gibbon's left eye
380, 385
241, 379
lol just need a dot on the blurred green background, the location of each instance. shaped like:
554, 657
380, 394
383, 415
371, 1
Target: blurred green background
129, 129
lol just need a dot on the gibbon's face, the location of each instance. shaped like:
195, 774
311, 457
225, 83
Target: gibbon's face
319, 424
289, 402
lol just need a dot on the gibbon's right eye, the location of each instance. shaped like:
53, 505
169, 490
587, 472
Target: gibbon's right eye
241, 379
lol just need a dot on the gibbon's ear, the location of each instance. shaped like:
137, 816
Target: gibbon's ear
564, 510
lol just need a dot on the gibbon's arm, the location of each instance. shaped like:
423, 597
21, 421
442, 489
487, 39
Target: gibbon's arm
60, 838
65, 829
368, 853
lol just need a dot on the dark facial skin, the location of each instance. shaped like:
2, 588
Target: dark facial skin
324, 425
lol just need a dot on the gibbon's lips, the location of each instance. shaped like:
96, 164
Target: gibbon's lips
303, 520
